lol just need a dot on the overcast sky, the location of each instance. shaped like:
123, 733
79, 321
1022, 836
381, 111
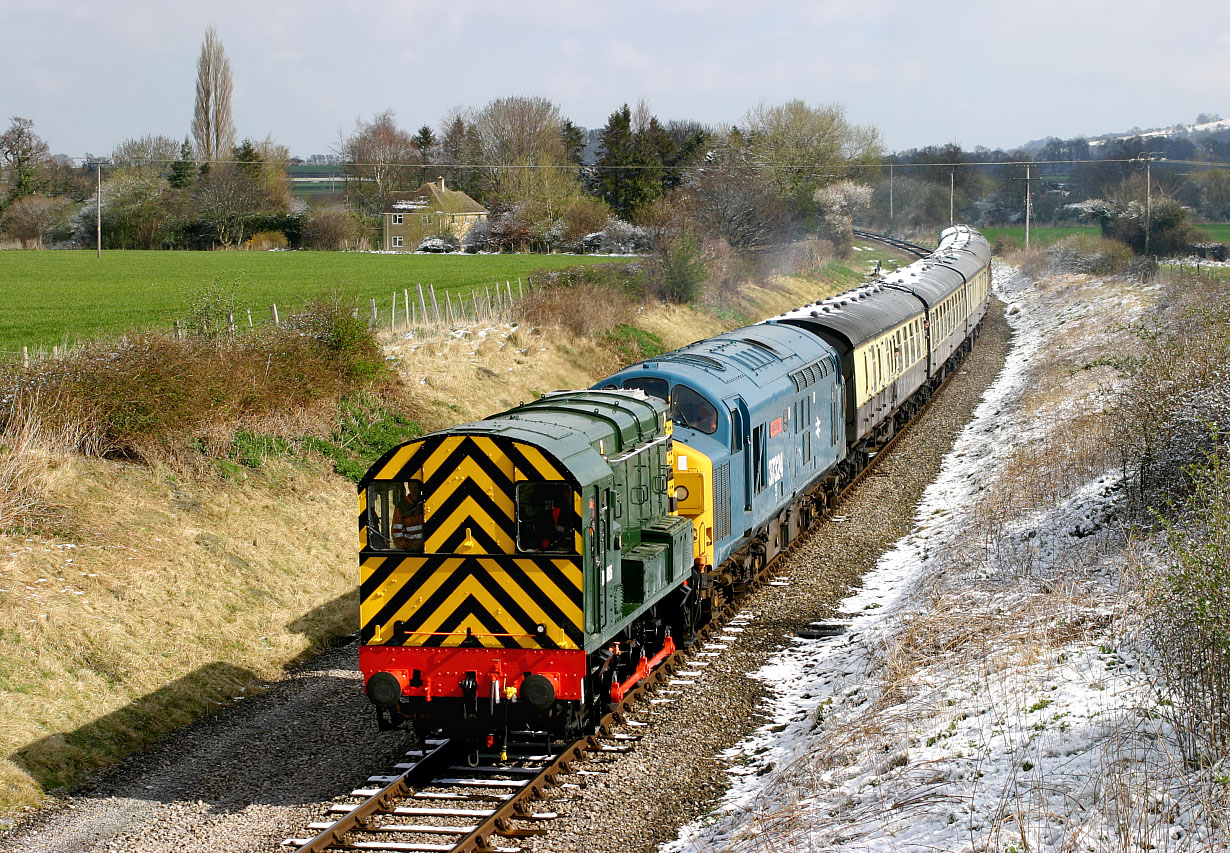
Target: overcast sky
90, 74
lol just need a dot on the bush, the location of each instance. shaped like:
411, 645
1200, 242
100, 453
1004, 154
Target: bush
266, 241
678, 270
1088, 255
1006, 244
1177, 393
1190, 615
330, 229
149, 396
585, 307
440, 243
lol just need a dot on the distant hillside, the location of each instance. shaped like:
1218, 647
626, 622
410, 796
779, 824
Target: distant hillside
1206, 124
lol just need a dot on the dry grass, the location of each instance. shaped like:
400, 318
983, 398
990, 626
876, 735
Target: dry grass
466, 373
157, 606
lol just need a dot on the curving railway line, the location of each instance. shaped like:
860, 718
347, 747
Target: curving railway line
444, 801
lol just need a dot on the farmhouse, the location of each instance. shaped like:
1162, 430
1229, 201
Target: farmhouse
431, 210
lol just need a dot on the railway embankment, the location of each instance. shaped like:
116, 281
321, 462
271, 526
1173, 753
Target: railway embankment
1034, 665
140, 597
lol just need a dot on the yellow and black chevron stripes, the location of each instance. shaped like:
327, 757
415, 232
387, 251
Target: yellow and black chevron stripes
470, 484
431, 600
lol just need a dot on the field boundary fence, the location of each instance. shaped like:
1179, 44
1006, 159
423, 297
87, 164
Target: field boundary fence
417, 312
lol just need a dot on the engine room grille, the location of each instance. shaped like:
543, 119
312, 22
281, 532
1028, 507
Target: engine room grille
721, 501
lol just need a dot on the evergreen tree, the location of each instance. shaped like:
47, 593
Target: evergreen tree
424, 139
628, 175
248, 159
574, 140
183, 172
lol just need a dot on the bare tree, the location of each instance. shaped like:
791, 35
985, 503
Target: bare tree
800, 148
22, 152
212, 127
149, 154
31, 217
518, 135
380, 159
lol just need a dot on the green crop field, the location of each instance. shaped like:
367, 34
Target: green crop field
1038, 235
53, 298
1047, 234
1219, 232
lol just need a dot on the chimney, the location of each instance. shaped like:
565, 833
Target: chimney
441, 183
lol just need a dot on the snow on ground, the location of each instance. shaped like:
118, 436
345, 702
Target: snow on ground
985, 695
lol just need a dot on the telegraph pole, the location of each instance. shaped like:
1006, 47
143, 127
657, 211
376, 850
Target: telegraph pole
890, 198
1028, 206
98, 211
952, 191
1148, 158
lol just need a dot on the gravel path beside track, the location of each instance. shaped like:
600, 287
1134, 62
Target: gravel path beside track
262, 770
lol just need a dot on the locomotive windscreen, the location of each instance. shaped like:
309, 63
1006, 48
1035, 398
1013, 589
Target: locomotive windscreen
395, 515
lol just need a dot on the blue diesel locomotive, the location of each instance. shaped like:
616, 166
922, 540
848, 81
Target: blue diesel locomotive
772, 420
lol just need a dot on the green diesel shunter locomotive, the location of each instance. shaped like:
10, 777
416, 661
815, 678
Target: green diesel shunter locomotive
522, 570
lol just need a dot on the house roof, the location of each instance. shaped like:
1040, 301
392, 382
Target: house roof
433, 197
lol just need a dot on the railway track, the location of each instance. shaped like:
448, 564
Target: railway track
910, 248
436, 804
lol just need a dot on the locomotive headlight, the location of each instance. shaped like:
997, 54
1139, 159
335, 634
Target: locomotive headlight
681, 493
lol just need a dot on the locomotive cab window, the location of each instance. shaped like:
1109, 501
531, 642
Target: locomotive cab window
545, 519
690, 409
395, 516
653, 387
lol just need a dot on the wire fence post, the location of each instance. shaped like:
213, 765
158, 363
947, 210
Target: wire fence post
434, 304
276, 321
375, 313
405, 301
422, 302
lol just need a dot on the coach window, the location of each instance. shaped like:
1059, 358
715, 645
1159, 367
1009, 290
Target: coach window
650, 385
545, 520
690, 409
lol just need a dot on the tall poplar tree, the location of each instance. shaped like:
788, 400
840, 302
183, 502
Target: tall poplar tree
213, 131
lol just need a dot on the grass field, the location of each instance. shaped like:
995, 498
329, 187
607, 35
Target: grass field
52, 298
1047, 234
1219, 232
1038, 235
